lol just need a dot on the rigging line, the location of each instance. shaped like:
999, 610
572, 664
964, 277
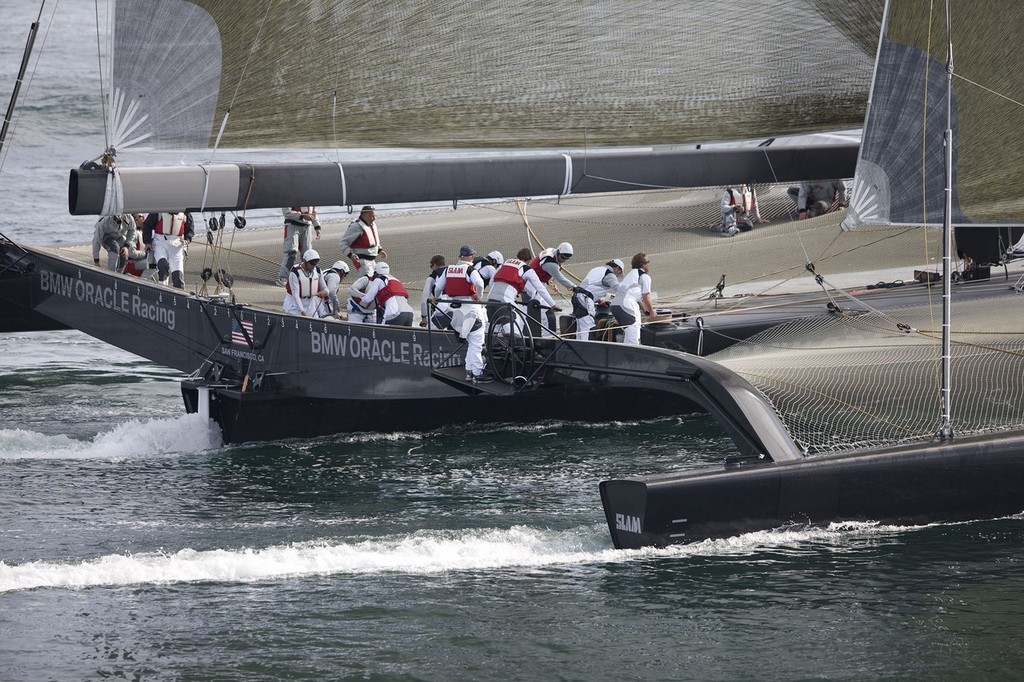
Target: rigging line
988, 90
99, 63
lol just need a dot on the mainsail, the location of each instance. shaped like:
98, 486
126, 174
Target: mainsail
488, 74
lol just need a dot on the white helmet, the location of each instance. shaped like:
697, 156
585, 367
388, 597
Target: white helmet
496, 256
565, 250
311, 256
340, 265
383, 269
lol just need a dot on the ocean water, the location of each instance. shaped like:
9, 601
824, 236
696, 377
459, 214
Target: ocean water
134, 545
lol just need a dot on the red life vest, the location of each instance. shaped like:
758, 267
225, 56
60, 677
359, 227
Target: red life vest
391, 289
457, 281
170, 224
309, 284
368, 239
511, 272
537, 264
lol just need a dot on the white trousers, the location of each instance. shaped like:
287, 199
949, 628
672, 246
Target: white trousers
172, 249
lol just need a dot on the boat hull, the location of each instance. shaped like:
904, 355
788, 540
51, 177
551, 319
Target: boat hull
966, 479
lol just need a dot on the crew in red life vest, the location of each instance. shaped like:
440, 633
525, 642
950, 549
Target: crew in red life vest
461, 283
390, 295
297, 222
305, 291
510, 279
361, 242
168, 236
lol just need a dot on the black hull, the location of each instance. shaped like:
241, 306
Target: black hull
270, 375
258, 417
969, 479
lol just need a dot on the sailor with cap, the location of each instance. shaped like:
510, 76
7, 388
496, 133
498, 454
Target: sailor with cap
462, 285
333, 278
390, 295
305, 289
361, 241
587, 296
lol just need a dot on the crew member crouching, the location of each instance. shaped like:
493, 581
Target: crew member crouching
390, 295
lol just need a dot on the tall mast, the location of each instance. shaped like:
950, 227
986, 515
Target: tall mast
946, 427
32, 31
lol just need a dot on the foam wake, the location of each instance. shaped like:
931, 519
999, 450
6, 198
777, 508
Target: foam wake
419, 553
131, 439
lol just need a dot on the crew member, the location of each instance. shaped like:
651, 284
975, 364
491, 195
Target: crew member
587, 297
486, 265
297, 222
510, 280
633, 297
305, 291
361, 241
548, 266
356, 311
390, 295
168, 236
439, 319
739, 210
333, 278
113, 233
461, 284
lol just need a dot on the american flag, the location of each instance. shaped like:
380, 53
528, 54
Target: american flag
238, 335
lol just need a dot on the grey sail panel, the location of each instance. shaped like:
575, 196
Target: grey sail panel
900, 178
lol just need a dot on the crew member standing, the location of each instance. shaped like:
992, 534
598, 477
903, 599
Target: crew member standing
305, 292
168, 235
390, 295
461, 284
361, 242
548, 266
633, 297
297, 222
587, 296
486, 265
437, 268
510, 279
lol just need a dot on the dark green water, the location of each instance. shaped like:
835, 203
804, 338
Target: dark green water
130, 548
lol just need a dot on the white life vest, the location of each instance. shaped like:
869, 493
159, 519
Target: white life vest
309, 283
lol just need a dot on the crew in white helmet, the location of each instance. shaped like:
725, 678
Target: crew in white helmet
305, 291
548, 266
333, 278
587, 297
486, 265
390, 295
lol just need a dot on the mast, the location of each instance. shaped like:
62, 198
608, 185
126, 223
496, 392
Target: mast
946, 427
32, 31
